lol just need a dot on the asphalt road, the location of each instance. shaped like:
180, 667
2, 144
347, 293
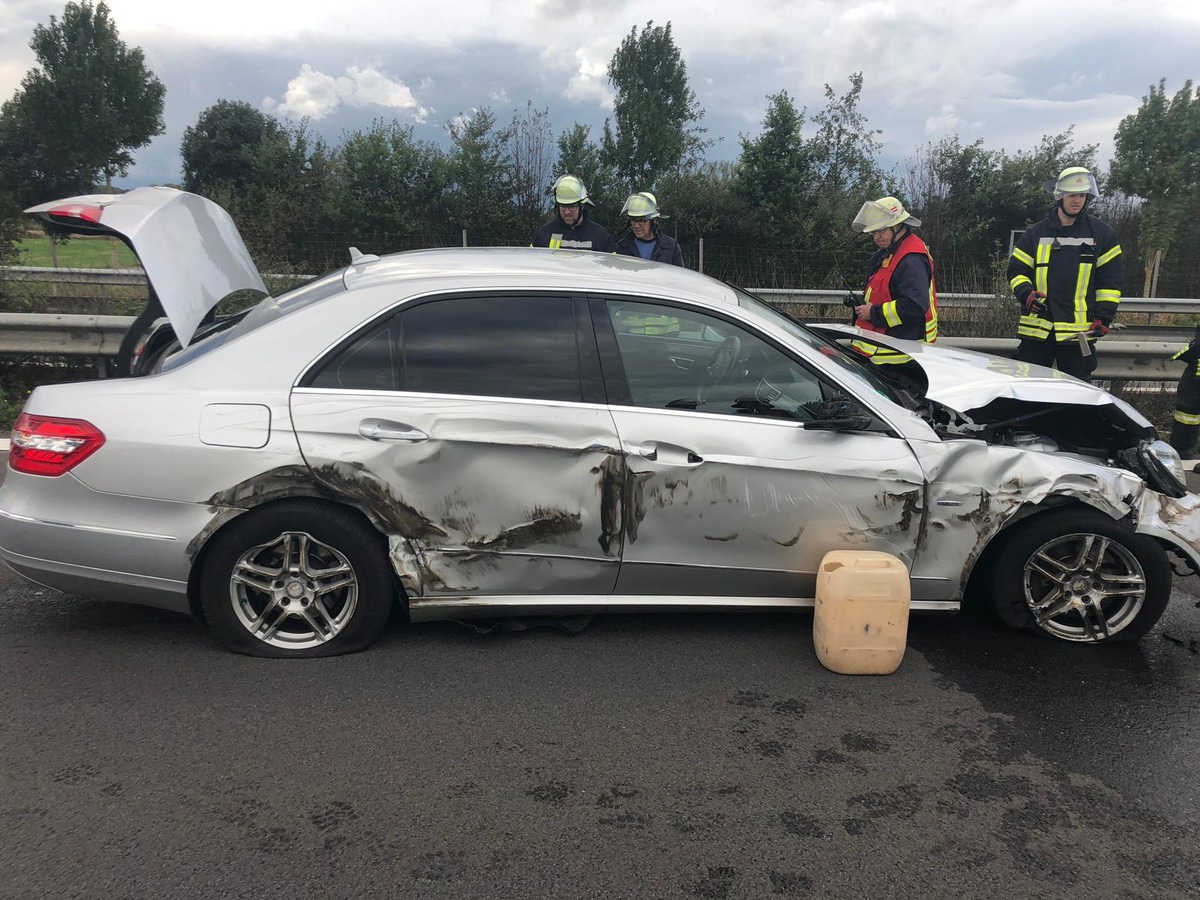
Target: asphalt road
687, 756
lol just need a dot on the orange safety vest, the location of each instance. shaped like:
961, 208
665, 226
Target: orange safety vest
879, 293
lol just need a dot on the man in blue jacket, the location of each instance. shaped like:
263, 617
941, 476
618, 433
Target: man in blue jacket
644, 238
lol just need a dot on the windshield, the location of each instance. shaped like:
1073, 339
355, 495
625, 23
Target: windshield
851, 364
267, 310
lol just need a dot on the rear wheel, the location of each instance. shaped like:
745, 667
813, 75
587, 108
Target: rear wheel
297, 579
1077, 575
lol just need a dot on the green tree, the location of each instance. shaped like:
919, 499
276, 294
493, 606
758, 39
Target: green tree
79, 113
30, 172
844, 151
274, 178
1016, 196
480, 177
1157, 158
776, 171
295, 204
231, 145
389, 181
532, 151
654, 112
703, 203
579, 155
949, 182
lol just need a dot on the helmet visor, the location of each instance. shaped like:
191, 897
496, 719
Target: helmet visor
878, 214
1076, 183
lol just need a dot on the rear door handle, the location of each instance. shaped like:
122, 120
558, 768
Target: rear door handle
383, 430
669, 454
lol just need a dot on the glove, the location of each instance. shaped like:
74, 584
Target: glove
1099, 328
1033, 304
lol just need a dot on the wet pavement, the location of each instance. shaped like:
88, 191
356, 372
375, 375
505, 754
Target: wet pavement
648, 756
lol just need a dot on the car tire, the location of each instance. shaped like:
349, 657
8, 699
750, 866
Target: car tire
1080, 576
297, 579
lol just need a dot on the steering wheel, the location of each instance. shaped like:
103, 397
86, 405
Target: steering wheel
722, 364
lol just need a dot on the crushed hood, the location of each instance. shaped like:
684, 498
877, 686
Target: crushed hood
964, 380
190, 248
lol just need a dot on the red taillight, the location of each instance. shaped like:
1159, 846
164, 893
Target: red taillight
86, 212
51, 446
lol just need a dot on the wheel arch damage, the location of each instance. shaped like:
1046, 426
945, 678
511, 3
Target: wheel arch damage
979, 494
286, 483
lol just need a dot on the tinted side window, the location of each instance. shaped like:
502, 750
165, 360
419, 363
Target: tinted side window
521, 347
369, 364
498, 347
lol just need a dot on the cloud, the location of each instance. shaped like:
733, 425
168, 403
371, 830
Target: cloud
590, 81
314, 94
945, 122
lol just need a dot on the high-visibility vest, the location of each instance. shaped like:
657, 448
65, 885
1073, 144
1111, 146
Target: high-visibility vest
879, 293
640, 323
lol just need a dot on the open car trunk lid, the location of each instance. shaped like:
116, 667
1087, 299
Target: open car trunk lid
191, 251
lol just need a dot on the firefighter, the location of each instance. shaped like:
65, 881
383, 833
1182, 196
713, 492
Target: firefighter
1185, 430
901, 296
571, 229
644, 238
1065, 272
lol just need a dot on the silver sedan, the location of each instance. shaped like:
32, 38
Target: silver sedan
495, 433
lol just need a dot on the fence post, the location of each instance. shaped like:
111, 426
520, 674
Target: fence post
464, 237
700, 265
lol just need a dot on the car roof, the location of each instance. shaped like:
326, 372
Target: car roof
515, 267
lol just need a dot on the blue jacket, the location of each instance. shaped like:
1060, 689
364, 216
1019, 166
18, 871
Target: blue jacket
667, 251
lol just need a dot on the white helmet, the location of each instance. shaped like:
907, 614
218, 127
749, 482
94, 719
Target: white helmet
886, 212
641, 205
569, 190
1074, 180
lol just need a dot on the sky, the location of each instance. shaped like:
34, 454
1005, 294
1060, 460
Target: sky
1005, 73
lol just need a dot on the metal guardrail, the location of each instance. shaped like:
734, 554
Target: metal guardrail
100, 336
36, 333
28, 333
1151, 305
134, 277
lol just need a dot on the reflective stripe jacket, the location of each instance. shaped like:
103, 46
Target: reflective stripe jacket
903, 298
666, 250
587, 235
1077, 267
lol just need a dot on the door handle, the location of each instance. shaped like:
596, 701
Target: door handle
669, 454
383, 430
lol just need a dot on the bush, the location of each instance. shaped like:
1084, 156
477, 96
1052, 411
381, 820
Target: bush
18, 378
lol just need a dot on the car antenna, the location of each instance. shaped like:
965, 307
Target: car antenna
358, 258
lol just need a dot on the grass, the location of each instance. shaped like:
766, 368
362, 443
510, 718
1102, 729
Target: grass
76, 253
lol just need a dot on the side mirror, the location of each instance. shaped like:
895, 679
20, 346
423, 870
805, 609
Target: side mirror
837, 415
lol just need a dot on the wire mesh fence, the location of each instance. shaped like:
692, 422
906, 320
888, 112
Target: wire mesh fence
749, 266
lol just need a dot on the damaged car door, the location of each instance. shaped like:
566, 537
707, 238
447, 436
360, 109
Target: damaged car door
473, 430
746, 468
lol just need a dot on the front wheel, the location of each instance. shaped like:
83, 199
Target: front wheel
297, 580
1080, 576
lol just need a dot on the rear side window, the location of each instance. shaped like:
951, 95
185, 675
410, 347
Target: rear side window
522, 347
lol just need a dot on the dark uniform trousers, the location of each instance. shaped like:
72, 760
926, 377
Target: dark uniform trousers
1185, 429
